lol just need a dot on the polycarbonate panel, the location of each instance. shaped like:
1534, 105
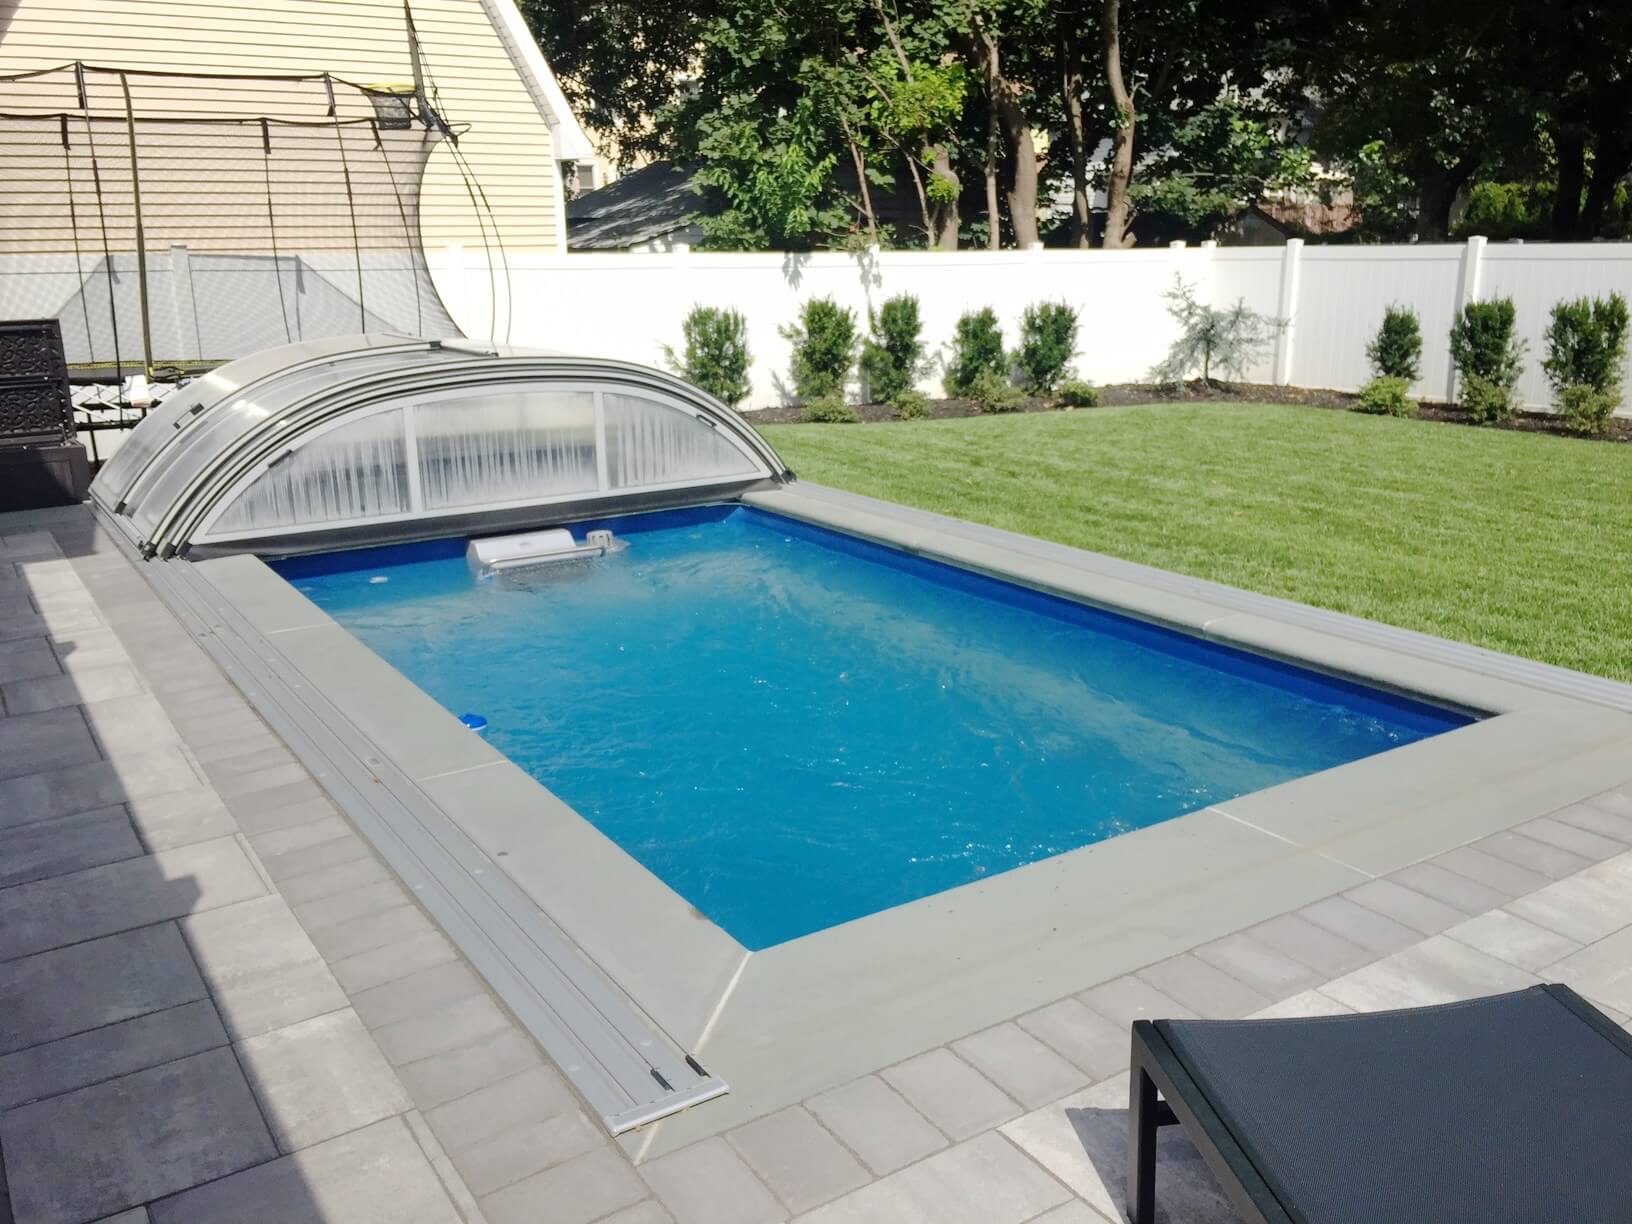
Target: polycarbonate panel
512, 445
651, 443
263, 410
357, 471
204, 394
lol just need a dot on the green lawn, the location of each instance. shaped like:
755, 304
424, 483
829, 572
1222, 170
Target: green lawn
1519, 542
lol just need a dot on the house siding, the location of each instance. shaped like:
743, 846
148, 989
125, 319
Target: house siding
507, 145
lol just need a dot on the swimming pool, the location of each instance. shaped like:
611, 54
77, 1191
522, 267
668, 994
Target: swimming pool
793, 728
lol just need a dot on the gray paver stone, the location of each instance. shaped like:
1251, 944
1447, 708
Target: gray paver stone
319, 1078
951, 1093
803, 1165
1024, 1067
876, 1124
708, 1183
583, 1189
377, 1175
102, 981
133, 1139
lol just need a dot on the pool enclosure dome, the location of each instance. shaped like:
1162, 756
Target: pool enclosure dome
372, 439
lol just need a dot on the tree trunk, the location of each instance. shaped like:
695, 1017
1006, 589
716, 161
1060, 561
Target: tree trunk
1009, 116
923, 200
860, 163
945, 214
1022, 191
1435, 195
1600, 191
994, 222
1570, 150
1611, 160
1118, 207
1076, 133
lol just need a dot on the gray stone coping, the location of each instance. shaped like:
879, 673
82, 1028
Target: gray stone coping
788, 1021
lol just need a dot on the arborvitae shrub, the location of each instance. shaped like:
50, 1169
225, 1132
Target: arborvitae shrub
1586, 359
977, 346
824, 348
716, 356
1396, 352
1489, 358
1048, 341
894, 351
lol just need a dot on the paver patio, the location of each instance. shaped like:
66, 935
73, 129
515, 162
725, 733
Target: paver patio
217, 1004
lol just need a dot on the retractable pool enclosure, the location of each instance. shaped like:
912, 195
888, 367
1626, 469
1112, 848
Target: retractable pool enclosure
372, 439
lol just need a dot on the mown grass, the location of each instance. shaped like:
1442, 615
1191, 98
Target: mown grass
1518, 542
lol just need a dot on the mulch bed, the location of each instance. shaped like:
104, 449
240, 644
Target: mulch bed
1620, 428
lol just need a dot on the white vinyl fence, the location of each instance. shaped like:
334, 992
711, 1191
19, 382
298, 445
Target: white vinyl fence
630, 305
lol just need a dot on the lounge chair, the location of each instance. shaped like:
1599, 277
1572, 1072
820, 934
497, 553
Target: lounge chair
1514, 1108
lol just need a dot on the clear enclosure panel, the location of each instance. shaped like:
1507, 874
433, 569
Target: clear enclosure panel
159, 427
505, 446
651, 443
357, 471
193, 451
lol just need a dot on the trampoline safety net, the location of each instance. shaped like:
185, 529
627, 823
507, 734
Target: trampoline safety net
182, 220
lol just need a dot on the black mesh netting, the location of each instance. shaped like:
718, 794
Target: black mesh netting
248, 211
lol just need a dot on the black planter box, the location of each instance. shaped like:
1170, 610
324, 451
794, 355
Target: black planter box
34, 476
36, 408
41, 462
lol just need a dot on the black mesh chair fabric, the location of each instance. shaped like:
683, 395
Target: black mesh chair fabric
1514, 1108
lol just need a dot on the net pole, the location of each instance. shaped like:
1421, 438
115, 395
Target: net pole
102, 219
498, 237
407, 235
73, 228
141, 237
351, 202
272, 225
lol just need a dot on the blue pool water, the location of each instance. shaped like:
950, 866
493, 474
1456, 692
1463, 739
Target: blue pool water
793, 728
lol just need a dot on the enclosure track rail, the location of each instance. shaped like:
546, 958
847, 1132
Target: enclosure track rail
626, 1069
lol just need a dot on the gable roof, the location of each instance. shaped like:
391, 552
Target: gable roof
571, 144
644, 205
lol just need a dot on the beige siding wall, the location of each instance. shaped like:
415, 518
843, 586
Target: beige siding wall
507, 147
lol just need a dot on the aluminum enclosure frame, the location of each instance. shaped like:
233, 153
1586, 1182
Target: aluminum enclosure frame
209, 442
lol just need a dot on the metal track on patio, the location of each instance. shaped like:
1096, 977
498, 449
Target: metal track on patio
625, 1067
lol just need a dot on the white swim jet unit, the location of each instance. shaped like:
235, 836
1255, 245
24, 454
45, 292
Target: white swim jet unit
499, 554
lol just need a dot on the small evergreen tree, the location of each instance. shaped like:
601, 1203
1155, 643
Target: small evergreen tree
1048, 341
1396, 352
1586, 359
716, 356
1231, 339
1489, 358
824, 348
977, 346
893, 353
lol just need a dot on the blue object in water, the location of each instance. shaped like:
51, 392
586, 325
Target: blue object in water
474, 721
794, 728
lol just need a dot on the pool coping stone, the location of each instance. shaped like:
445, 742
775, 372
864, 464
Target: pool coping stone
861, 996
